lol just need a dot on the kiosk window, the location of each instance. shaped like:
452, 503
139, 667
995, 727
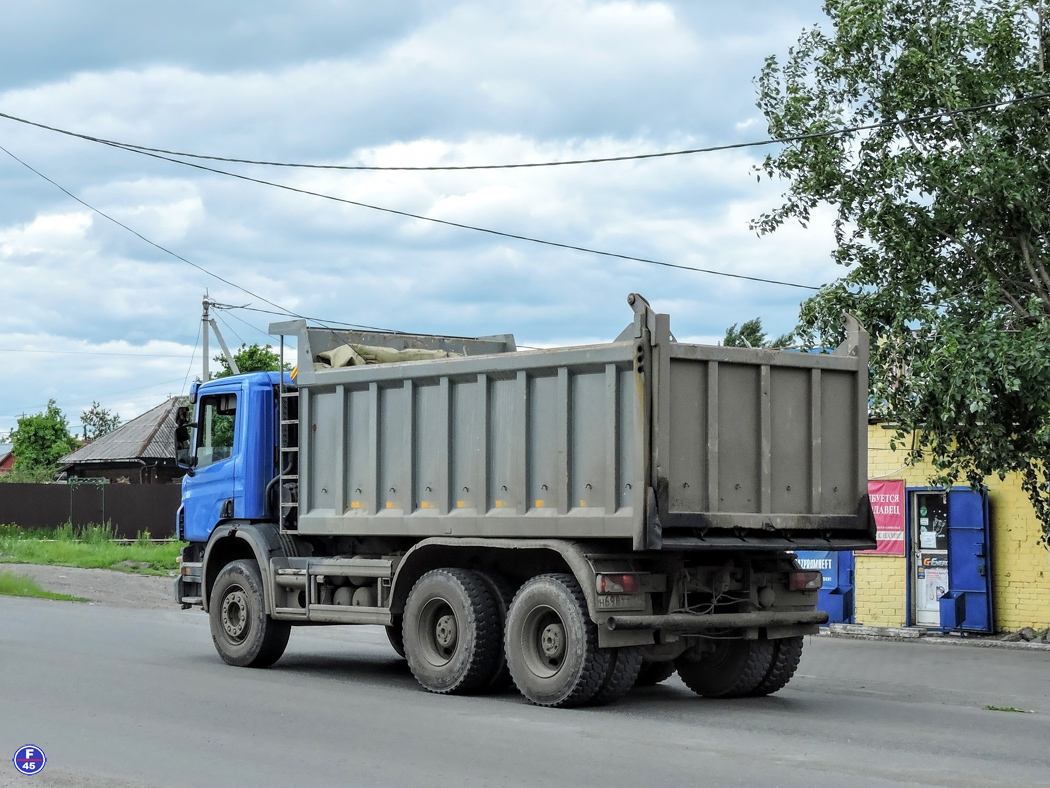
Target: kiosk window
215, 432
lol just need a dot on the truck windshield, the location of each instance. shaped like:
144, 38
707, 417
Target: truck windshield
216, 431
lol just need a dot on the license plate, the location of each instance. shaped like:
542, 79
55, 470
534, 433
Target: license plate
621, 601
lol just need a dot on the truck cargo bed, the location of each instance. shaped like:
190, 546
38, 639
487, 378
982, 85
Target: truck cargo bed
646, 440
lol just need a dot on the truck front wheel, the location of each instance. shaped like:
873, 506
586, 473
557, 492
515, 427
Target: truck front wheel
243, 634
451, 631
552, 644
395, 633
734, 668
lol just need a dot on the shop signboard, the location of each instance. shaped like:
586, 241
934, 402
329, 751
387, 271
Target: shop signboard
887, 503
827, 563
836, 594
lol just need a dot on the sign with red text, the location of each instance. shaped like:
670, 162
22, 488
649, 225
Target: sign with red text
887, 502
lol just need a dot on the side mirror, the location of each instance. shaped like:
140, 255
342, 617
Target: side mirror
183, 452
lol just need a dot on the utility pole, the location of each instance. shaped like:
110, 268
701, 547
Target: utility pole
209, 321
205, 376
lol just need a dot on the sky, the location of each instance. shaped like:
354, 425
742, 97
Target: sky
93, 312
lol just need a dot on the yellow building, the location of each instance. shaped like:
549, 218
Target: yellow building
1019, 562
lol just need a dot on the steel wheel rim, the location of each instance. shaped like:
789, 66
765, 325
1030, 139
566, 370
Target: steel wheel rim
438, 631
236, 622
543, 641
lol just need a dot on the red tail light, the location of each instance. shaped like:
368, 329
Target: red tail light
805, 581
617, 584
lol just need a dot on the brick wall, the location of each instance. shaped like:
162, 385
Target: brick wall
881, 592
1020, 564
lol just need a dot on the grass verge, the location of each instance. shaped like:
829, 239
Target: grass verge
90, 547
19, 585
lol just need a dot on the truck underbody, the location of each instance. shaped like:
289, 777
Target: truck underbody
740, 616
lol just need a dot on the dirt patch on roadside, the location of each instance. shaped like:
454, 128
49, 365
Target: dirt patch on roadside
101, 586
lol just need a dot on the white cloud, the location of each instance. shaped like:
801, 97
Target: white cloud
459, 83
52, 233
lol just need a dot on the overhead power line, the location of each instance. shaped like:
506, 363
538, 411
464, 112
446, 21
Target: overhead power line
393, 211
194, 353
445, 222
314, 319
525, 165
136, 233
241, 319
202, 269
91, 353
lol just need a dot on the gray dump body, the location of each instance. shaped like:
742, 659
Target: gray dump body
656, 443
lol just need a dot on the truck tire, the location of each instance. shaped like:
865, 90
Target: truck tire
734, 669
395, 633
654, 673
786, 656
451, 631
624, 665
502, 590
552, 644
243, 634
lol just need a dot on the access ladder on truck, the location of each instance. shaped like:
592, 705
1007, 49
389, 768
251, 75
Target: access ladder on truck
288, 452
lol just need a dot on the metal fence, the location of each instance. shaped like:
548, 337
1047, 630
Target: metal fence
130, 508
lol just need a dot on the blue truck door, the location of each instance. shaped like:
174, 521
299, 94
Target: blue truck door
968, 602
207, 495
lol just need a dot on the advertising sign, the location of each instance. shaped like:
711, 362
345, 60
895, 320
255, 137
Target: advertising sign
887, 502
827, 563
836, 594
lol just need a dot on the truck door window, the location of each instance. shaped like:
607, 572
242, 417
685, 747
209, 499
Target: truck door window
216, 427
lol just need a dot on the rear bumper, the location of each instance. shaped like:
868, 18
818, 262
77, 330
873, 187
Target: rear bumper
687, 623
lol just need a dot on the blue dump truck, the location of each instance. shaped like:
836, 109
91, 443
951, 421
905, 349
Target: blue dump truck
571, 521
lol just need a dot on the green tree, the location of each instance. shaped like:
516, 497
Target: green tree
250, 358
98, 421
750, 334
39, 441
942, 223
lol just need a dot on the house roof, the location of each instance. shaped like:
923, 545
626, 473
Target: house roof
149, 436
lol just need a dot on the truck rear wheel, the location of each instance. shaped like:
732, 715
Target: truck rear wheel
624, 665
243, 634
654, 673
451, 631
733, 669
552, 644
502, 590
786, 656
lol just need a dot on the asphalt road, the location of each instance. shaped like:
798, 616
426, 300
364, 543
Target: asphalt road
121, 697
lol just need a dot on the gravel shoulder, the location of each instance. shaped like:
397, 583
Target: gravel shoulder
101, 586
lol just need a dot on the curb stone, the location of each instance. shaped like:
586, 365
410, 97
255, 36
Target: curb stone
935, 638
